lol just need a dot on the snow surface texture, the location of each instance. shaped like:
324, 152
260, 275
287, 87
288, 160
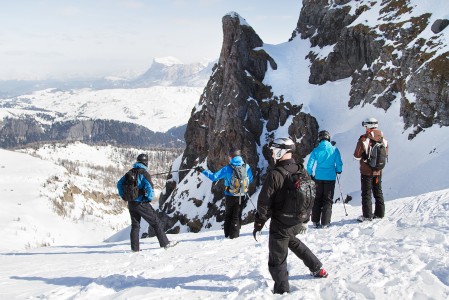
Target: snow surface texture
403, 256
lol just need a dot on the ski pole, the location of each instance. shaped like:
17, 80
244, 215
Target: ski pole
164, 173
341, 194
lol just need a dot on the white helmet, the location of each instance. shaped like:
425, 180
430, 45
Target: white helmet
370, 123
280, 146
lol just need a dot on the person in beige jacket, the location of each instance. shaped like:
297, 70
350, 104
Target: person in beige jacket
371, 180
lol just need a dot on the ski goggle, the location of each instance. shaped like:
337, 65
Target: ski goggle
369, 123
272, 145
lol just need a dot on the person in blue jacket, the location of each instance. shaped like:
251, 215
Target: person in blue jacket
327, 161
233, 199
141, 208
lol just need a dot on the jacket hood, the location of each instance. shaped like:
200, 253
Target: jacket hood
139, 165
324, 144
237, 161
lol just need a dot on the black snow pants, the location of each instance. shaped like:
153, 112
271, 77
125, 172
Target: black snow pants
146, 211
281, 239
322, 206
233, 215
374, 184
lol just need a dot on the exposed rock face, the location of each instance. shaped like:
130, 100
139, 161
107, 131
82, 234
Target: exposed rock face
386, 61
235, 110
22, 131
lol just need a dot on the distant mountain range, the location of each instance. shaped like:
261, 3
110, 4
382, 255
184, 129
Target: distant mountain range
159, 100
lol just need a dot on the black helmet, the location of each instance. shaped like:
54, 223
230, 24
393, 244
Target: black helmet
234, 152
143, 158
324, 135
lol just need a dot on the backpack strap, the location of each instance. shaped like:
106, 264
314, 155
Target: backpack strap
284, 171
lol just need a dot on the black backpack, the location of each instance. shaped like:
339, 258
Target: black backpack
130, 188
298, 192
377, 157
238, 185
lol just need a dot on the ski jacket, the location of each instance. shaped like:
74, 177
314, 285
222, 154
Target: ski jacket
271, 193
144, 183
327, 159
226, 172
362, 149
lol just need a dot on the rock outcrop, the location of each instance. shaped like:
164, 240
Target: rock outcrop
391, 59
235, 110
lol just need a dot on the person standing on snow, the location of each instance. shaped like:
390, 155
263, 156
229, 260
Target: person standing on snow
233, 198
328, 163
141, 207
283, 228
371, 180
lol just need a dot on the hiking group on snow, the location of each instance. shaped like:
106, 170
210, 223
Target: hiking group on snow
290, 196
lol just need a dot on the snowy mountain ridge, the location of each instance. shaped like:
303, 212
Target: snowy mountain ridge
159, 100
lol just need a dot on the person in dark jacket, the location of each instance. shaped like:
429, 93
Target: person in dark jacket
141, 207
371, 180
233, 202
283, 229
327, 160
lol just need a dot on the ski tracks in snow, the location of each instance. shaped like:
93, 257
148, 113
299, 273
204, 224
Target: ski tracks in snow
402, 256
375, 260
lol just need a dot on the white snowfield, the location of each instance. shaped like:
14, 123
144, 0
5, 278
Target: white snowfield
158, 108
403, 256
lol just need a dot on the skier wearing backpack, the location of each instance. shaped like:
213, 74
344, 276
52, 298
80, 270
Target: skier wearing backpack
140, 207
284, 225
237, 175
371, 175
328, 163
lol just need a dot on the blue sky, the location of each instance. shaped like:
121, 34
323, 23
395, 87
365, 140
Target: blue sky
42, 39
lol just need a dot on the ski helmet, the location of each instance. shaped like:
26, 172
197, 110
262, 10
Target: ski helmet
370, 123
324, 135
280, 146
234, 152
143, 158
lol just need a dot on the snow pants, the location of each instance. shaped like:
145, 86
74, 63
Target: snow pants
322, 206
374, 184
233, 216
139, 210
281, 239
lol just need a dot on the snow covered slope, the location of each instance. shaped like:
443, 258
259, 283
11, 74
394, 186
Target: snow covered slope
29, 189
403, 256
414, 167
158, 108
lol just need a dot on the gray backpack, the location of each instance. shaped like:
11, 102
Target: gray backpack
239, 182
377, 157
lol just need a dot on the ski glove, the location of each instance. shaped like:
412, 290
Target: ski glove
257, 227
199, 169
302, 228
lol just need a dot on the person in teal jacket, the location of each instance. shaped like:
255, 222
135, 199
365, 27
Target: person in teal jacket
327, 161
233, 202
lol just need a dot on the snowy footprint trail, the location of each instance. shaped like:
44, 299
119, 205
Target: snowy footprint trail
403, 256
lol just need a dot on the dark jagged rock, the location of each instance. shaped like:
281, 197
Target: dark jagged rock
439, 25
233, 111
385, 62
